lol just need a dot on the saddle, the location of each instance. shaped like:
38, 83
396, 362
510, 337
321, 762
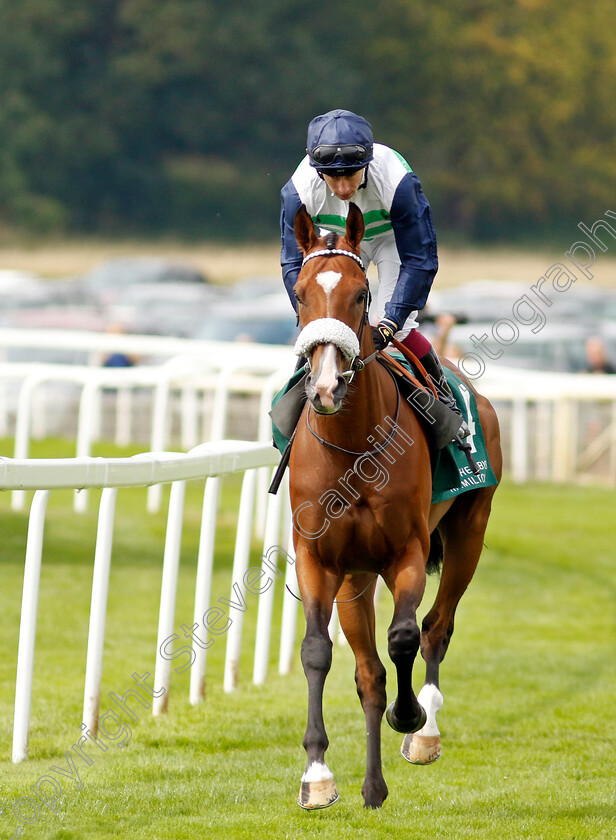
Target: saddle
440, 423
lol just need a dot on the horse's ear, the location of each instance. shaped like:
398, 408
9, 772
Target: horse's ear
355, 226
304, 230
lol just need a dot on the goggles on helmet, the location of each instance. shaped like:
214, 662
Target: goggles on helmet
349, 154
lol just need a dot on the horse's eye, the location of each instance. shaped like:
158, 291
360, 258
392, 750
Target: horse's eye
297, 297
362, 297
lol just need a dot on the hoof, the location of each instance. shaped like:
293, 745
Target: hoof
405, 725
313, 795
374, 795
421, 749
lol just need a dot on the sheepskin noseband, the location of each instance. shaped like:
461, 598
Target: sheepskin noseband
327, 331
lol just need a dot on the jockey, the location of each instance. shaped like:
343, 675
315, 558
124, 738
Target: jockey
342, 164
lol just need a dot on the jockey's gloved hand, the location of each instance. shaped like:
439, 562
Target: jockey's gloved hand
383, 333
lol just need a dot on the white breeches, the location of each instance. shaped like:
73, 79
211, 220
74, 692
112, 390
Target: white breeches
383, 253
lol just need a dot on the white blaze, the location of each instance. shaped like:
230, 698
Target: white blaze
327, 382
328, 280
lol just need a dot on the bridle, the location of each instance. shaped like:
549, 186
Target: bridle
357, 364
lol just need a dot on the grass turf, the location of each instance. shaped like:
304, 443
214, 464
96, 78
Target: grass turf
529, 685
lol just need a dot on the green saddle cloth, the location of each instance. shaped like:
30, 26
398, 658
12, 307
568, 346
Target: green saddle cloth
451, 474
283, 423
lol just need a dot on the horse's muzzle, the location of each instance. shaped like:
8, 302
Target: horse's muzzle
325, 400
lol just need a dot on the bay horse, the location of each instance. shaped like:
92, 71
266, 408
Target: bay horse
360, 485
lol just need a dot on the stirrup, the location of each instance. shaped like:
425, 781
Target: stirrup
464, 431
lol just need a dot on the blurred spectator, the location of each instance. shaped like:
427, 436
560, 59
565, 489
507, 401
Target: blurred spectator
597, 360
118, 359
436, 328
440, 341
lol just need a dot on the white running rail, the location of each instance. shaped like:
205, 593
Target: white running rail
207, 461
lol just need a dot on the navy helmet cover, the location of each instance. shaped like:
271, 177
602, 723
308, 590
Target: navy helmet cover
340, 128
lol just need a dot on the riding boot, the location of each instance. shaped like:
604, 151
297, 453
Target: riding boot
432, 364
285, 417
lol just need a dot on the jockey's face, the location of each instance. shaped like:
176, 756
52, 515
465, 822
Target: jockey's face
344, 186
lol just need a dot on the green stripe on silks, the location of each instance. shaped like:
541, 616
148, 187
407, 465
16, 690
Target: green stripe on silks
451, 474
331, 222
373, 216
376, 222
404, 163
372, 233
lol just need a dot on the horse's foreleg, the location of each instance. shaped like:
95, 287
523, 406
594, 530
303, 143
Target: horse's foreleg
318, 588
407, 582
424, 746
356, 611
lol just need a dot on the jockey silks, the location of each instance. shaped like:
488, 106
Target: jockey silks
395, 211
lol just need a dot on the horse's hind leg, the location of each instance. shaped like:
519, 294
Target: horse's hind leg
463, 530
318, 589
356, 612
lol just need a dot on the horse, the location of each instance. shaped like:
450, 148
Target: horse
360, 485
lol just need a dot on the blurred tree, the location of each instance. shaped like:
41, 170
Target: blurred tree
509, 105
188, 115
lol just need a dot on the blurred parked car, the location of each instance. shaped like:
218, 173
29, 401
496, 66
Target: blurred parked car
85, 318
106, 281
485, 300
265, 319
20, 289
558, 346
175, 309
249, 288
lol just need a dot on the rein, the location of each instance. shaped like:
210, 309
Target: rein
412, 358
357, 364
381, 447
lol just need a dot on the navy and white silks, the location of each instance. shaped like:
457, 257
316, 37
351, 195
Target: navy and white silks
399, 239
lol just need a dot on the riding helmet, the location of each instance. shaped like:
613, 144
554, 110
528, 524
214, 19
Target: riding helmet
339, 142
